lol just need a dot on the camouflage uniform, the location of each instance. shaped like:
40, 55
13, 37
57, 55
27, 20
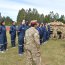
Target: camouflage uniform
32, 47
55, 32
63, 32
59, 32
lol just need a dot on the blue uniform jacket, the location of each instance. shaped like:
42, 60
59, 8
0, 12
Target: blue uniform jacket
21, 34
40, 31
13, 30
44, 32
21, 30
3, 37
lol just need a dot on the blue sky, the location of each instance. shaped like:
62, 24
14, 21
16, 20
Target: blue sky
11, 7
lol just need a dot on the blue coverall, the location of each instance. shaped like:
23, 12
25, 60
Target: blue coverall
13, 35
3, 38
44, 33
21, 34
40, 33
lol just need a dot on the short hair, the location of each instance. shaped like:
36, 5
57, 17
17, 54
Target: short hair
1, 22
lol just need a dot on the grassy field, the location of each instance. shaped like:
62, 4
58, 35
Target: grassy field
53, 53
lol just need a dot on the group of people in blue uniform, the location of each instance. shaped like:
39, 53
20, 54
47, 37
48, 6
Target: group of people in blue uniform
20, 33
44, 32
43, 29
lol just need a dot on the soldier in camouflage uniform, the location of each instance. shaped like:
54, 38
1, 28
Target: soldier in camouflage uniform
59, 31
63, 32
55, 32
32, 45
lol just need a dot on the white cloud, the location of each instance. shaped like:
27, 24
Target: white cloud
11, 7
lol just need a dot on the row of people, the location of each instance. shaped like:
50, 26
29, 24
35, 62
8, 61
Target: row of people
44, 32
20, 32
43, 29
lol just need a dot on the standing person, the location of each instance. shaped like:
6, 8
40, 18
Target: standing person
55, 32
49, 31
21, 34
44, 32
3, 37
27, 25
39, 28
32, 45
63, 32
13, 34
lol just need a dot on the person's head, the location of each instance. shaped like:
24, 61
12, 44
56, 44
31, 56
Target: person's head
2, 23
44, 24
26, 22
29, 24
34, 23
23, 22
38, 24
13, 22
41, 24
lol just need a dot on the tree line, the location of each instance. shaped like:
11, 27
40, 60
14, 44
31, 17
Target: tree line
33, 14
7, 20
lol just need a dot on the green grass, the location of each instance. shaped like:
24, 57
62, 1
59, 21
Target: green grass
53, 53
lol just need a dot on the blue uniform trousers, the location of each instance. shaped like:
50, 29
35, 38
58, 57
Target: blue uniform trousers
21, 44
13, 37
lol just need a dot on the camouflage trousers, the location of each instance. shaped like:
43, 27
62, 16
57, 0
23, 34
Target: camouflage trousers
63, 35
33, 57
55, 35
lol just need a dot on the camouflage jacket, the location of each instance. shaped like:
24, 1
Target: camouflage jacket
31, 38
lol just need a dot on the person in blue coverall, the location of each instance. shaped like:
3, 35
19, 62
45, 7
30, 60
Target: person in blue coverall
44, 33
13, 34
49, 31
21, 34
39, 28
27, 25
3, 37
